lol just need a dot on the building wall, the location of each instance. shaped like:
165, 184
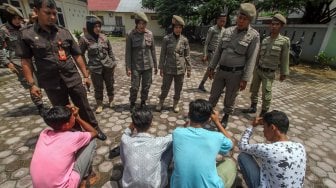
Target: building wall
331, 46
313, 37
74, 13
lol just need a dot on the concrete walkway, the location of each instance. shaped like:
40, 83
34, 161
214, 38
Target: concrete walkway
310, 103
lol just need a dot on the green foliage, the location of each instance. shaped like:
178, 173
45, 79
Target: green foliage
323, 59
77, 33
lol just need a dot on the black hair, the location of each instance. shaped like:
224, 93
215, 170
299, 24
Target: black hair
223, 14
48, 3
200, 111
56, 116
278, 119
142, 119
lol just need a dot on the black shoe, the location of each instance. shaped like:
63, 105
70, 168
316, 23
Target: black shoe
114, 152
262, 113
143, 104
101, 135
250, 110
225, 120
132, 107
202, 88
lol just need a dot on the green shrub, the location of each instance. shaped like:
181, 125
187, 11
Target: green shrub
323, 59
77, 33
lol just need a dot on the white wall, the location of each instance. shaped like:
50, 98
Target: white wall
74, 13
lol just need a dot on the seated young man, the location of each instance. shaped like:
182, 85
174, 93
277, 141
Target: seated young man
145, 158
195, 150
282, 162
62, 158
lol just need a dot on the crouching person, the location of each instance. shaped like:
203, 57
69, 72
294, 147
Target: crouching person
282, 162
195, 150
145, 158
62, 157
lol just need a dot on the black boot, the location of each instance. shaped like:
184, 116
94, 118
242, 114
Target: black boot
101, 135
132, 107
262, 113
225, 120
201, 87
251, 110
143, 104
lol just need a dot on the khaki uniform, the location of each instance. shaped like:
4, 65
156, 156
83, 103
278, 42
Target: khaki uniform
235, 58
212, 40
8, 41
174, 62
273, 53
59, 78
101, 63
140, 59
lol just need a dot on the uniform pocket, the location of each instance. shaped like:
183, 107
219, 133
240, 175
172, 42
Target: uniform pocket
148, 41
136, 42
39, 50
93, 50
225, 42
275, 51
241, 47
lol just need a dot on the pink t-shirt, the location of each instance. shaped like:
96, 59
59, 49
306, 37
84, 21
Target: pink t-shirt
54, 158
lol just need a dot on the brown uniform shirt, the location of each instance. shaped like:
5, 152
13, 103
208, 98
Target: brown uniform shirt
8, 41
44, 46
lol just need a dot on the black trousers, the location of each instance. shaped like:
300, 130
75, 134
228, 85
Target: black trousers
60, 97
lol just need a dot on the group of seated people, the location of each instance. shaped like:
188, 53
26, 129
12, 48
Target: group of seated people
63, 158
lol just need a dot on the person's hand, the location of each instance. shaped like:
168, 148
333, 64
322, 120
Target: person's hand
211, 73
205, 58
87, 83
215, 116
131, 126
128, 72
188, 74
35, 91
282, 78
257, 121
74, 110
12, 68
242, 85
161, 72
155, 71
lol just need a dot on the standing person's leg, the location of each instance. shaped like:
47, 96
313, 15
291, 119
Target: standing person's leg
166, 83
84, 159
254, 89
146, 82
227, 170
135, 84
267, 82
98, 84
79, 98
206, 74
58, 97
250, 170
178, 85
217, 87
108, 74
232, 80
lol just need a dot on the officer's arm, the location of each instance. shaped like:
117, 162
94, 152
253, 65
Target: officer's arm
110, 51
3, 55
128, 53
251, 58
214, 62
207, 40
163, 53
284, 67
154, 54
81, 65
187, 57
83, 47
27, 69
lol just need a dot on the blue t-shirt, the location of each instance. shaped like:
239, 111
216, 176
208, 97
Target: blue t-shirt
195, 151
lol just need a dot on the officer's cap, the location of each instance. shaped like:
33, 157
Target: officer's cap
93, 19
177, 20
13, 10
141, 16
248, 9
280, 17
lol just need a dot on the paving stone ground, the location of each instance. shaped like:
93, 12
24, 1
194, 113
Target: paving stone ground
309, 101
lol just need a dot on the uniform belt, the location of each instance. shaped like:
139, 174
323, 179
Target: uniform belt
231, 69
265, 69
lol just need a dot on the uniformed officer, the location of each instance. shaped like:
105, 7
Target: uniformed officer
54, 51
8, 39
140, 59
235, 58
274, 51
174, 62
101, 60
212, 39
